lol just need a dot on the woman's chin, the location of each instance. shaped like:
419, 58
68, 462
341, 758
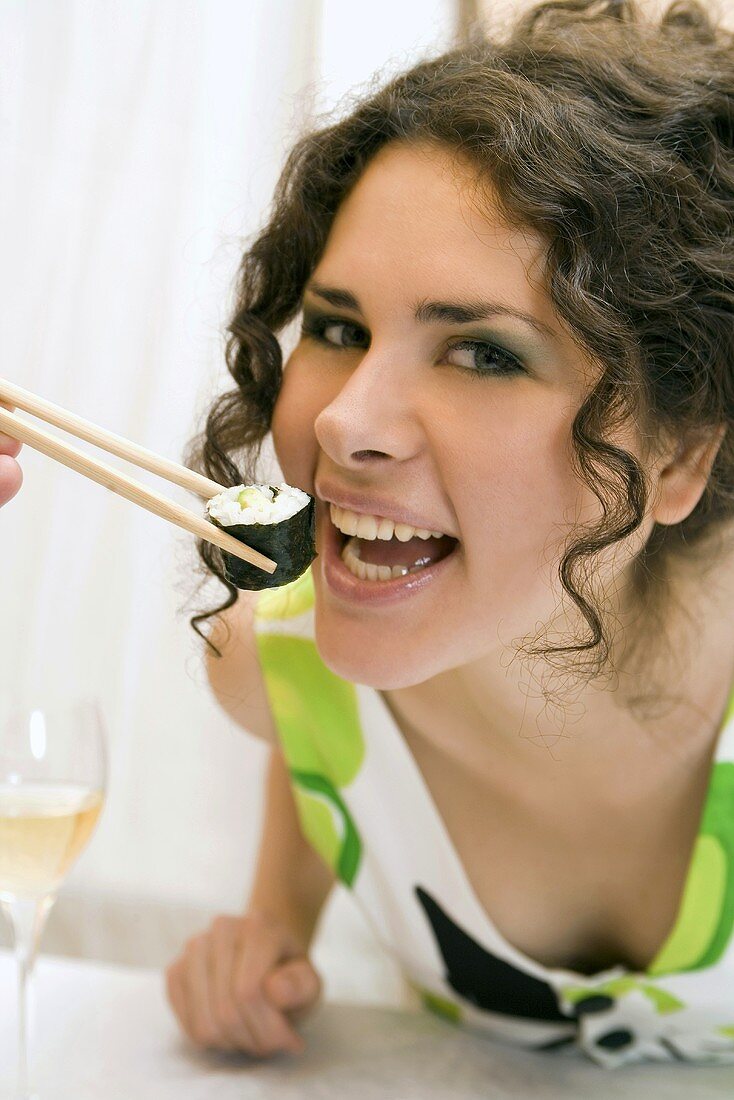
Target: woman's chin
387, 669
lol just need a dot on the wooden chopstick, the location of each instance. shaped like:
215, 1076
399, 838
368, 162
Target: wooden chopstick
108, 441
132, 490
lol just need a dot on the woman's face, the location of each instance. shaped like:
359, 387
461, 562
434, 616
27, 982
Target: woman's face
473, 439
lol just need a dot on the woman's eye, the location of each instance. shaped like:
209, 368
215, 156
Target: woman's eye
325, 329
481, 358
486, 358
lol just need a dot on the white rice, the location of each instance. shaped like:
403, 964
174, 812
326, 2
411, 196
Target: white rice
225, 508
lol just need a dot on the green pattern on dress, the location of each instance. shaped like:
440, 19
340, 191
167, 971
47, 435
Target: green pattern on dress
440, 1006
662, 1001
318, 825
288, 601
317, 719
706, 918
315, 711
327, 823
729, 716
700, 911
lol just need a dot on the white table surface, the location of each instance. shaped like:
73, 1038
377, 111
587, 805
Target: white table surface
106, 1032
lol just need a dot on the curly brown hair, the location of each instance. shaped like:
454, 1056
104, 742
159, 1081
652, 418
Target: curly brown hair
612, 136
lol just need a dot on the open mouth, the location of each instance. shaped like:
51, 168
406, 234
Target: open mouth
385, 559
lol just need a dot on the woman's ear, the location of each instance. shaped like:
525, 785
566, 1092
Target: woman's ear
683, 479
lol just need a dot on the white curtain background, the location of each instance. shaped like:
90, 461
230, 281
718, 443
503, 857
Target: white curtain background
140, 141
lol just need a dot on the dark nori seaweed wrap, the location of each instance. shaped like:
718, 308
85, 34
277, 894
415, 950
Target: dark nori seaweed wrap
291, 543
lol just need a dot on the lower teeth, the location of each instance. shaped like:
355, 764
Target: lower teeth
366, 570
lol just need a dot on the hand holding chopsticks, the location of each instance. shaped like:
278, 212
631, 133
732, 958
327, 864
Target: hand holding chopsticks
112, 479
11, 475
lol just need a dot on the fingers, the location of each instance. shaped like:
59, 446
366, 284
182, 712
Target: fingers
225, 941
177, 997
261, 949
216, 987
11, 475
187, 986
294, 987
11, 478
205, 1020
8, 445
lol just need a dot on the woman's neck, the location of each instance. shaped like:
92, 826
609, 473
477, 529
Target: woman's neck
484, 713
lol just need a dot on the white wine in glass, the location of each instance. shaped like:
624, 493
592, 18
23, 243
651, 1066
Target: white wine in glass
53, 773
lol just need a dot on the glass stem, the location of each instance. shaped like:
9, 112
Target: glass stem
27, 917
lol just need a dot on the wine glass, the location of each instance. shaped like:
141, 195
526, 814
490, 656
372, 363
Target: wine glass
53, 771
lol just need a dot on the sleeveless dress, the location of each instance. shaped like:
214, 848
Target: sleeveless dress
364, 806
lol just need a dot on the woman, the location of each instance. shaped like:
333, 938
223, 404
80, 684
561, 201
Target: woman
499, 699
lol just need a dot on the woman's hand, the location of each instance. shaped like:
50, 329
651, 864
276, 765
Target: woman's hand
242, 984
11, 475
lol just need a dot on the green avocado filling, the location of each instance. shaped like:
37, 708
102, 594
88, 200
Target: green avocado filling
250, 498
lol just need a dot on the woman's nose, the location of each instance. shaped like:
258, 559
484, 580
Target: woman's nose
371, 415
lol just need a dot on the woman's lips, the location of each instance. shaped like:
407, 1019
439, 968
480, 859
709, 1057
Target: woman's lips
344, 584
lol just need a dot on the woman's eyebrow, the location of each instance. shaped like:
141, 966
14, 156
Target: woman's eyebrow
456, 313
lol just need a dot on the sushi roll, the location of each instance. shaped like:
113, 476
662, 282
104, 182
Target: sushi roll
277, 520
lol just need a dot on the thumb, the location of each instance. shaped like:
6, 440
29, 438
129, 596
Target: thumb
293, 985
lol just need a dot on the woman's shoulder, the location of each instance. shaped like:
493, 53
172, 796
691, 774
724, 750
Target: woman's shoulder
235, 675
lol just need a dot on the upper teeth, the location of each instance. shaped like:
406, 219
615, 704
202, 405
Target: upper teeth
376, 527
